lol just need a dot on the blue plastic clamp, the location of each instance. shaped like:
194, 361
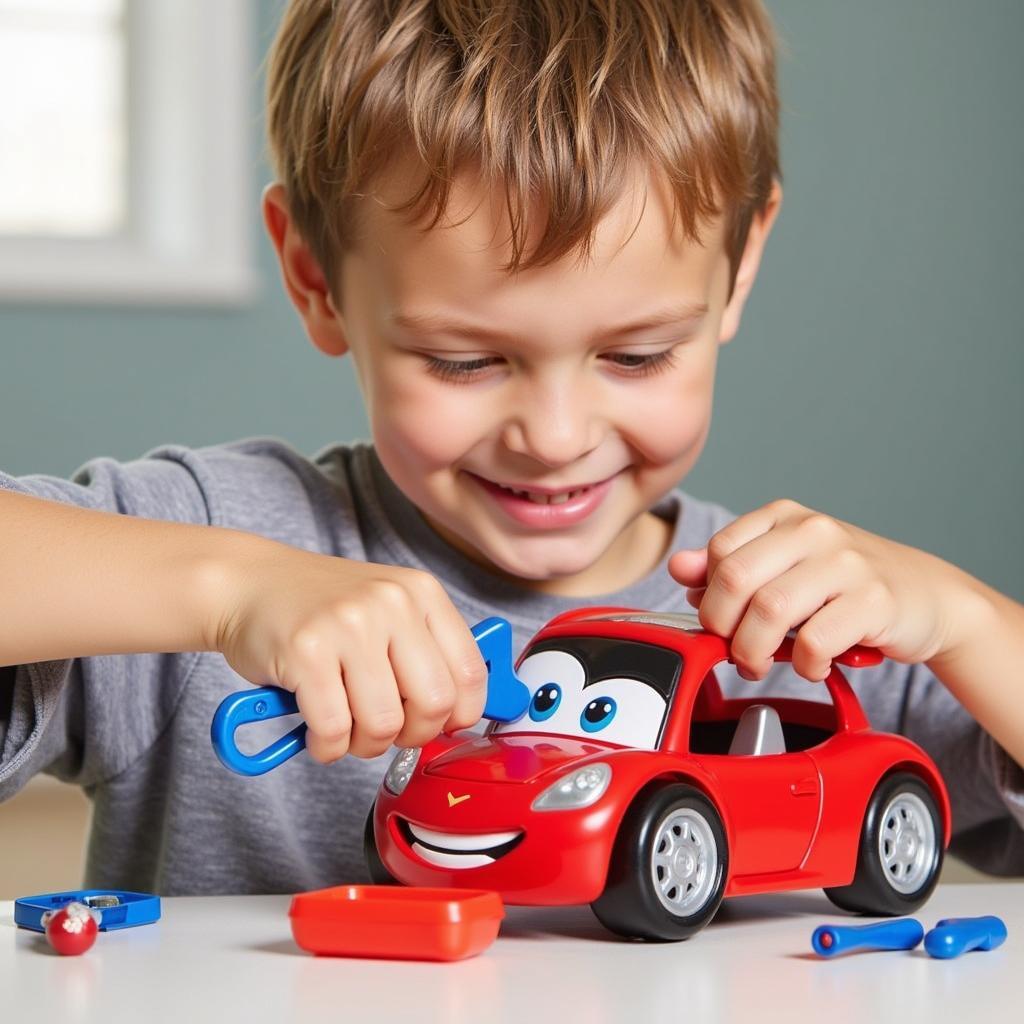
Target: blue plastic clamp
131, 908
507, 699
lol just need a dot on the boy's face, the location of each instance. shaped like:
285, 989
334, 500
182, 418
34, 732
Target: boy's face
592, 377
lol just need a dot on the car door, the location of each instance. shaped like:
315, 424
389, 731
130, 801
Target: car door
770, 802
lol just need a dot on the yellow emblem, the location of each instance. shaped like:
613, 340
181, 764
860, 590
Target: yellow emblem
453, 799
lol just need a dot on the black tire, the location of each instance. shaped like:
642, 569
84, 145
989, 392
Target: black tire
630, 904
379, 874
884, 885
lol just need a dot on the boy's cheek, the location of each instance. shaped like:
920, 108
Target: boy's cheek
421, 418
670, 427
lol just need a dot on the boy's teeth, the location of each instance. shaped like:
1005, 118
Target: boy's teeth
544, 499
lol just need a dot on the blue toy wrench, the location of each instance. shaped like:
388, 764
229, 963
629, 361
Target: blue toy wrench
507, 699
833, 939
955, 935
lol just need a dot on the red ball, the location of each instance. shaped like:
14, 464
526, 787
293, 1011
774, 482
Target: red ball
72, 929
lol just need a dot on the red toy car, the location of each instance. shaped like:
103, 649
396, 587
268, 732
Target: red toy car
632, 784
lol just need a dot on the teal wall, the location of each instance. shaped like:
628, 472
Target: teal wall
879, 369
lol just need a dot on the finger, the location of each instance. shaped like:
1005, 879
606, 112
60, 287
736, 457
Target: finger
694, 595
424, 683
377, 713
323, 703
689, 566
846, 621
780, 605
465, 663
746, 528
742, 573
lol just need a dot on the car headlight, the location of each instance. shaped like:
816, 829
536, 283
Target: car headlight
401, 769
580, 788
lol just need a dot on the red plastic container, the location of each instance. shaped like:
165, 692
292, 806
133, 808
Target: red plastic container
396, 923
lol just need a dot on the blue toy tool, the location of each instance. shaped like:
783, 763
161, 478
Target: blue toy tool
507, 699
955, 935
117, 908
833, 939
507, 696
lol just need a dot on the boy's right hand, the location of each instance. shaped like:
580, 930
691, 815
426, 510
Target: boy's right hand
375, 654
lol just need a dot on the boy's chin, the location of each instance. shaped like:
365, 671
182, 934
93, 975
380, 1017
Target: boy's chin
555, 565
555, 571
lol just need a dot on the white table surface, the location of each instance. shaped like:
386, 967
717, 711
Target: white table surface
233, 959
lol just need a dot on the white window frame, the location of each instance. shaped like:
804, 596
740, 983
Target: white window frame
190, 210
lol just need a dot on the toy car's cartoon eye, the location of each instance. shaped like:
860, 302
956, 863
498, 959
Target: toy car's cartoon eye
545, 702
623, 711
597, 714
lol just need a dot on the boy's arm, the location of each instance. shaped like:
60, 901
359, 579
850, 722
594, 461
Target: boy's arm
80, 582
984, 670
85, 718
786, 567
376, 654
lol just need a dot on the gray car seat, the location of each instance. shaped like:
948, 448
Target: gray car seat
758, 731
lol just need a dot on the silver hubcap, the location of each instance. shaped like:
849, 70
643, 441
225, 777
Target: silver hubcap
684, 864
906, 843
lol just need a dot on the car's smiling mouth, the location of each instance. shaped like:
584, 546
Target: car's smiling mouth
457, 850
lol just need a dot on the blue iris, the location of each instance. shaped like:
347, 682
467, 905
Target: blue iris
597, 714
545, 702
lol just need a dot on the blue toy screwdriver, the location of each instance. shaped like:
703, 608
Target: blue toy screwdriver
955, 935
833, 939
507, 699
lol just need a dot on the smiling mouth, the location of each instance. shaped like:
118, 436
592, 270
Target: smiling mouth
539, 498
544, 496
458, 850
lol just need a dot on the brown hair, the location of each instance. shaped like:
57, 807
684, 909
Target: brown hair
552, 99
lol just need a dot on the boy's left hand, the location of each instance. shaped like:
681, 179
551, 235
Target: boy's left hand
784, 567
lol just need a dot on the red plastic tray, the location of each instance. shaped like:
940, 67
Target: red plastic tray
395, 922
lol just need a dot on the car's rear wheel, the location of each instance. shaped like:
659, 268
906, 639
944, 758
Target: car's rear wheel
668, 867
900, 853
379, 874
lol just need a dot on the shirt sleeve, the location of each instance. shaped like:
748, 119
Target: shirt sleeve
85, 720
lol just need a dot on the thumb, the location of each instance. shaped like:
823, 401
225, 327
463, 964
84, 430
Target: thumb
689, 567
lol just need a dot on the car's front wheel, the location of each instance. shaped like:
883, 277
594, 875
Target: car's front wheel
900, 853
668, 868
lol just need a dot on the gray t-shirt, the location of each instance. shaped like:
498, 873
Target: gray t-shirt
134, 730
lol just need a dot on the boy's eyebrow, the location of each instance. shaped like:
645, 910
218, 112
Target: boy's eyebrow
440, 323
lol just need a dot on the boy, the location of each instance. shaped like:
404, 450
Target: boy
532, 225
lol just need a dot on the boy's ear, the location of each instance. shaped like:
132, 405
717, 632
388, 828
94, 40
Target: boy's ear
303, 278
760, 227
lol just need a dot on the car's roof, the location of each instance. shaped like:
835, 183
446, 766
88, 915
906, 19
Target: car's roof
674, 620
690, 631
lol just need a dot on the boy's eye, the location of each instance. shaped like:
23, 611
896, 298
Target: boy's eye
633, 364
641, 364
456, 369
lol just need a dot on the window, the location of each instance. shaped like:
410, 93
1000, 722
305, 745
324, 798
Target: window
806, 713
126, 167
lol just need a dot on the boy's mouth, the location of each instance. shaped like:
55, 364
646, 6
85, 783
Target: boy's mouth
545, 506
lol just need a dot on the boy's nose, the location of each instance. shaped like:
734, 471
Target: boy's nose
554, 429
